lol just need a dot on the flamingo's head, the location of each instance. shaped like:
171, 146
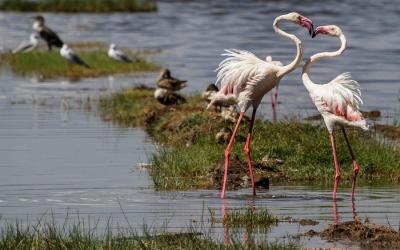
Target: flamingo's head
330, 30
301, 20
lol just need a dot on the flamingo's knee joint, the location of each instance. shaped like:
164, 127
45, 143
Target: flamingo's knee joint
227, 153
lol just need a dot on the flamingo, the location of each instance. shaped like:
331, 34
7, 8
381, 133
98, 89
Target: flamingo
248, 78
338, 101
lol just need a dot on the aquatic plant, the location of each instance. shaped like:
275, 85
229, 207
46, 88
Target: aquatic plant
246, 217
78, 6
44, 64
292, 150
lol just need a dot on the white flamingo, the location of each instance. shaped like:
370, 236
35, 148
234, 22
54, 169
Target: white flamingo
338, 100
248, 78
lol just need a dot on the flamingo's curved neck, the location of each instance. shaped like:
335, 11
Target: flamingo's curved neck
293, 65
314, 58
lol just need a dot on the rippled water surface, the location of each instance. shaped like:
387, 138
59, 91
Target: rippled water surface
57, 155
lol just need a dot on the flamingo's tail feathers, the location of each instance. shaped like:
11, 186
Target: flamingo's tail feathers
348, 88
237, 67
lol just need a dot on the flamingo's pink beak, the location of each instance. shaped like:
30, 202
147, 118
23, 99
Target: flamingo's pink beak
307, 23
320, 30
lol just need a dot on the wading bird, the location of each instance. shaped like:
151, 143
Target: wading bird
248, 78
166, 81
118, 55
211, 90
28, 45
46, 33
71, 57
338, 100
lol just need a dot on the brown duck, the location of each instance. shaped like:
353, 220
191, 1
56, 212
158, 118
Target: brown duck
166, 81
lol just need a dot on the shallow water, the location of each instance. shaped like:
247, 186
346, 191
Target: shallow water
57, 157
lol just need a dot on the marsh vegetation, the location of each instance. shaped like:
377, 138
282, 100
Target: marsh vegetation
290, 150
74, 6
45, 65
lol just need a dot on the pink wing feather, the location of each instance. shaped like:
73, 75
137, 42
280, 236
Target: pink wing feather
342, 97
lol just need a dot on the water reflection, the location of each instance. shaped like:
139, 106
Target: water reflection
336, 217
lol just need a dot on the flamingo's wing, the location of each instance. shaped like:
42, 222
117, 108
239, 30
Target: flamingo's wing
341, 97
240, 67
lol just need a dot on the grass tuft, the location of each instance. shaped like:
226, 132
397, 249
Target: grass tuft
246, 217
74, 6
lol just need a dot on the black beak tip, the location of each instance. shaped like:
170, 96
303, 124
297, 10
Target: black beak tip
313, 34
312, 31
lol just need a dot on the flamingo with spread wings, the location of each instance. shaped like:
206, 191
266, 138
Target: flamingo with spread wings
338, 100
247, 78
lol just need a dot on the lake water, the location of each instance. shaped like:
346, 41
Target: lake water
56, 156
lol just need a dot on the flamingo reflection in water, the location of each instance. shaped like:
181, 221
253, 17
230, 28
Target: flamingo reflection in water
225, 222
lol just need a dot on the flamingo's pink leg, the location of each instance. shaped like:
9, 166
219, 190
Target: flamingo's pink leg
228, 151
353, 208
337, 166
227, 239
247, 150
355, 165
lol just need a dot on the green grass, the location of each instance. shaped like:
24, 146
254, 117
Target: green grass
190, 154
246, 217
74, 6
46, 65
77, 236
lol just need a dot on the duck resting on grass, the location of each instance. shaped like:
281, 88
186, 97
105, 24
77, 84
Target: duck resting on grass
211, 90
67, 53
168, 97
118, 55
27, 46
166, 81
46, 33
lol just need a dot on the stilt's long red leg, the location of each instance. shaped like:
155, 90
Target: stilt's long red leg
355, 165
337, 166
228, 151
247, 150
